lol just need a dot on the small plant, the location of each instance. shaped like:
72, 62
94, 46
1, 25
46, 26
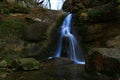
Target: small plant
18, 9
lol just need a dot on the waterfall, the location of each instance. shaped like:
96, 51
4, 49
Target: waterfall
73, 49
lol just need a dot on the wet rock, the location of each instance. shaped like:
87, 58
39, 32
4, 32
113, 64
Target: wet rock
59, 69
3, 64
63, 67
106, 60
26, 64
63, 64
59, 61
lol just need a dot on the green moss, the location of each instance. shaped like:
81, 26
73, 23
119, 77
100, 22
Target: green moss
4, 11
9, 55
26, 63
12, 8
11, 26
10, 33
95, 12
18, 9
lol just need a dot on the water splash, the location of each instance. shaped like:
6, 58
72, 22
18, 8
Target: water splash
73, 49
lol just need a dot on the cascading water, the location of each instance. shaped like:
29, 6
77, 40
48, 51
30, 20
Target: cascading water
73, 50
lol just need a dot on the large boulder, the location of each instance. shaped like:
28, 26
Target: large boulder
62, 67
42, 33
26, 64
106, 60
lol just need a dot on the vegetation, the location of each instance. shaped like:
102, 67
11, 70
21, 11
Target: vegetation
6, 8
11, 26
10, 31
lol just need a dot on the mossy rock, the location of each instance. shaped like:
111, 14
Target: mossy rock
3, 63
26, 64
4, 72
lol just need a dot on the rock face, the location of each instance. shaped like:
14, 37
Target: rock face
114, 43
92, 22
31, 34
97, 22
42, 33
76, 5
97, 34
106, 60
26, 64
